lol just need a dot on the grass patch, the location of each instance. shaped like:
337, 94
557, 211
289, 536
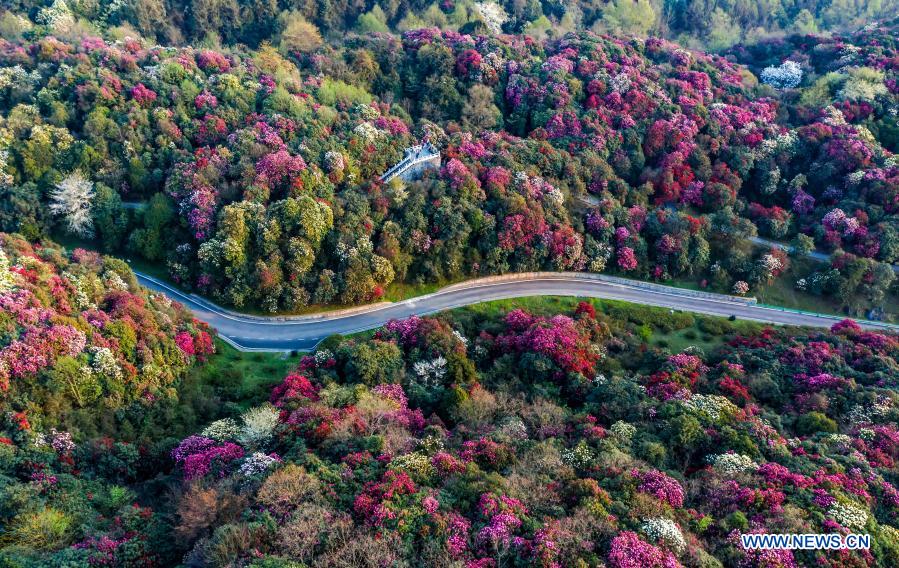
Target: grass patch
153, 269
227, 384
537, 305
244, 378
657, 326
399, 291
781, 292
707, 333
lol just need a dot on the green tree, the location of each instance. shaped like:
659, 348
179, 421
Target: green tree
150, 17
326, 288
77, 380
814, 422
684, 432
110, 217
375, 20
822, 91
627, 16
804, 23
723, 31
889, 243
864, 84
298, 35
214, 18
480, 113
21, 210
376, 362
150, 241
801, 245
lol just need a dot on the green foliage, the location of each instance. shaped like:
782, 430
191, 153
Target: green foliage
46, 529
802, 245
723, 31
628, 17
110, 218
298, 35
151, 240
814, 422
804, 23
375, 20
332, 91
864, 84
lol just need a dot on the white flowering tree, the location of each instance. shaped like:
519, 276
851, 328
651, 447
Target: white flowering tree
7, 277
72, 199
787, 75
223, 430
257, 463
105, 365
58, 16
731, 464
666, 532
849, 515
258, 425
492, 15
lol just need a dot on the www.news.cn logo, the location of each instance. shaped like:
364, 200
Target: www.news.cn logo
806, 541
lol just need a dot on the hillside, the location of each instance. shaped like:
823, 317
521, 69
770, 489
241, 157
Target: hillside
254, 177
300, 25
744, 148
555, 433
89, 362
556, 439
80, 339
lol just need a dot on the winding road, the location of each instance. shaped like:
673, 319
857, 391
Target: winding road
286, 333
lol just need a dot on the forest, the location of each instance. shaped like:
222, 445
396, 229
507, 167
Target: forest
251, 175
697, 23
551, 433
235, 149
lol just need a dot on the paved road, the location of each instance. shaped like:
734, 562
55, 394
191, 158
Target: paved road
814, 255
304, 332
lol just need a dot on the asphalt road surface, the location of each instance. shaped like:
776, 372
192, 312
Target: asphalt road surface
255, 333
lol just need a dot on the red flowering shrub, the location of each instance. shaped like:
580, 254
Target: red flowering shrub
563, 340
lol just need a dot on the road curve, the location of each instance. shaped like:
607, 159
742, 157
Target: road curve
255, 333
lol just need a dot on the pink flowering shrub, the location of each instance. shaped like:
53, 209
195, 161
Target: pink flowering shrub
383, 502
200, 456
629, 551
661, 486
142, 95
563, 340
294, 387
627, 260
